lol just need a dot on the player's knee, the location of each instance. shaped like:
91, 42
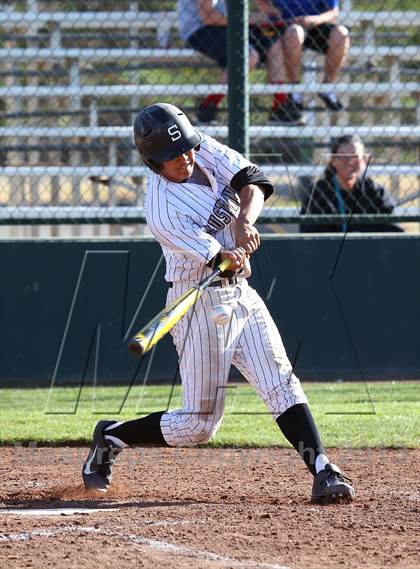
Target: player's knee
294, 34
201, 427
339, 37
253, 58
284, 395
204, 430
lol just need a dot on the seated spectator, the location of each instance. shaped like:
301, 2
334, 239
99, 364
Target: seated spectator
345, 189
309, 24
203, 26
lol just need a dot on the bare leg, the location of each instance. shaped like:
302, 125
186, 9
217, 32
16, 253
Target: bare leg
223, 77
253, 58
276, 75
339, 43
293, 39
276, 68
285, 109
208, 108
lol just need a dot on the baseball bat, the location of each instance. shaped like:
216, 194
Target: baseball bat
154, 330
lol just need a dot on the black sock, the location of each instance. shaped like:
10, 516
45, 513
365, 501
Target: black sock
298, 426
140, 431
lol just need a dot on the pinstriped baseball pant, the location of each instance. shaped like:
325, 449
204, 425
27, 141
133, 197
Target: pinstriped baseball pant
251, 342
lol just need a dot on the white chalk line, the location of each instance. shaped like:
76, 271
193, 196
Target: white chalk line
27, 535
53, 511
156, 544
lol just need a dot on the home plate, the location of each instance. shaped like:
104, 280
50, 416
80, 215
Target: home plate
55, 511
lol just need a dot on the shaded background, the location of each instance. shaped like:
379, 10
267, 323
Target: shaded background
346, 309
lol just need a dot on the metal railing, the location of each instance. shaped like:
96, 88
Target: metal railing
71, 82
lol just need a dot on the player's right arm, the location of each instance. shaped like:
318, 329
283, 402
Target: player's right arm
173, 227
236, 256
180, 234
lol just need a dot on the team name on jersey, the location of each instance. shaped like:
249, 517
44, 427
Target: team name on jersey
225, 209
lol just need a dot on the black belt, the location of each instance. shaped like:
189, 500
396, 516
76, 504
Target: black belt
219, 282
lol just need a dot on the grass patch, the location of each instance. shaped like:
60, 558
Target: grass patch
348, 414
376, 5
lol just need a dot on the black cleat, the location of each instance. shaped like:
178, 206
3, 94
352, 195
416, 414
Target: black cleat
330, 486
331, 101
97, 469
288, 113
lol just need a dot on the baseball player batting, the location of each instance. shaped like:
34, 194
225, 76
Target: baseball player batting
201, 204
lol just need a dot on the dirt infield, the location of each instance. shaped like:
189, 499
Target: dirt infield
208, 508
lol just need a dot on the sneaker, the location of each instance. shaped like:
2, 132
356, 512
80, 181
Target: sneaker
288, 113
331, 486
331, 101
97, 469
296, 100
206, 114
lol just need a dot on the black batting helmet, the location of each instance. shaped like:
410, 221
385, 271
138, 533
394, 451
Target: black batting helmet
162, 132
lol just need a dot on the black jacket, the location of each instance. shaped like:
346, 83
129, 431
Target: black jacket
365, 197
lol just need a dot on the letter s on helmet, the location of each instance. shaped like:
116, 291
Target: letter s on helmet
162, 132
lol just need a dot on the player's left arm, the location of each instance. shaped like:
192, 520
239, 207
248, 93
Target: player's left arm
253, 189
247, 180
246, 234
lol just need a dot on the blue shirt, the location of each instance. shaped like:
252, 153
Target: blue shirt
293, 8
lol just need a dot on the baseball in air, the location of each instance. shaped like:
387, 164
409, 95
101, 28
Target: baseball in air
221, 314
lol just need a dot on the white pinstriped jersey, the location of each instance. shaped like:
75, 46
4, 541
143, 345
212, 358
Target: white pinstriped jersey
192, 222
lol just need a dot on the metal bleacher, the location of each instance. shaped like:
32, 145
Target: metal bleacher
52, 125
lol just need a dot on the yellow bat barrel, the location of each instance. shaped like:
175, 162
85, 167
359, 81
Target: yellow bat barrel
148, 336
162, 323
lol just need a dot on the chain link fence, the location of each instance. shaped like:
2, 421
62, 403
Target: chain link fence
73, 75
